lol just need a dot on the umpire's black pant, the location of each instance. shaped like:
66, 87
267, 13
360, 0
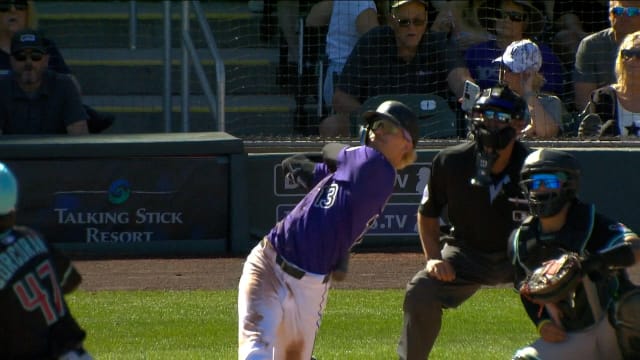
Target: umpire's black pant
426, 297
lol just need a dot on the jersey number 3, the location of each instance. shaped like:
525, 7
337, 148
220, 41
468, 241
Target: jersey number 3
36, 289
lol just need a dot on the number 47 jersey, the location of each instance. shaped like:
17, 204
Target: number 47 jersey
35, 321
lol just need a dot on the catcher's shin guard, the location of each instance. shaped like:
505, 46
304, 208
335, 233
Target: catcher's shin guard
626, 320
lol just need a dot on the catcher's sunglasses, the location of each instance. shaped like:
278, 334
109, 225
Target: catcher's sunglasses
406, 22
627, 54
628, 11
514, 16
550, 181
18, 5
389, 127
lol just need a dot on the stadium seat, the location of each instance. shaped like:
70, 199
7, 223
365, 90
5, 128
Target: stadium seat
435, 117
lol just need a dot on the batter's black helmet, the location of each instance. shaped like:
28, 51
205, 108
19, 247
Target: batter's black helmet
398, 113
550, 161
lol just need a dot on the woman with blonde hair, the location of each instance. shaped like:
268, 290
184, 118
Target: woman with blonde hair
618, 104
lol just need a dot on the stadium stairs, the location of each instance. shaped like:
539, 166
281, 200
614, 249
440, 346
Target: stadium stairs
94, 39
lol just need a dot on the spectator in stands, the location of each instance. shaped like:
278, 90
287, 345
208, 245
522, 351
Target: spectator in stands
396, 59
347, 21
511, 20
618, 105
35, 100
18, 15
459, 19
573, 22
520, 71
596, 53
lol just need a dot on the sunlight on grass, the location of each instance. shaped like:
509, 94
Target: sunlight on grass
358, 324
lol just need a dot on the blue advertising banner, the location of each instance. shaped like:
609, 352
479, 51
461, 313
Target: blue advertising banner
396, 219
125, 200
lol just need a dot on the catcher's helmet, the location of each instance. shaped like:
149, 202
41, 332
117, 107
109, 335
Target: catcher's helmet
550, 161
396, 112
8, 190
502, 105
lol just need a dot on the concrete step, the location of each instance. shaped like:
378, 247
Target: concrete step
77, 24
244, 115
104, 71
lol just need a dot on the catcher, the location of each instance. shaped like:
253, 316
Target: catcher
569, 262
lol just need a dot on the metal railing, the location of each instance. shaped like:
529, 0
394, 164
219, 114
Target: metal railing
190, 56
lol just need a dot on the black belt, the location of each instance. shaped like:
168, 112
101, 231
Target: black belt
287, 267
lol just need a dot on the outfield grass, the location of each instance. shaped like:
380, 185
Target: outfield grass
358, 324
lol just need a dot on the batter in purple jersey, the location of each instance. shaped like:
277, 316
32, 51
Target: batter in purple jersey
286, 277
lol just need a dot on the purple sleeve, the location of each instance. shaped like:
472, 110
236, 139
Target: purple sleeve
320, 172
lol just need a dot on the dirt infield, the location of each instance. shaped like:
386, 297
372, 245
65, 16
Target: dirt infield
370, 271
367, 271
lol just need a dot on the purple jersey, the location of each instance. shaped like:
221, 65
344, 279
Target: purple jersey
336, 213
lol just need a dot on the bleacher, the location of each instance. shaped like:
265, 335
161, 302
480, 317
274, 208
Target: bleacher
124, 75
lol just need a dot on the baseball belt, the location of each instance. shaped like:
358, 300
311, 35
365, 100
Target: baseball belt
288, 267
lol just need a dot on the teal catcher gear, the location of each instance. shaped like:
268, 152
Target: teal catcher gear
8, 190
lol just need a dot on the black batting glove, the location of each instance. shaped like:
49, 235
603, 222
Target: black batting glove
299, 169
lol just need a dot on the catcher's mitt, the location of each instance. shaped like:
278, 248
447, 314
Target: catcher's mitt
555, 280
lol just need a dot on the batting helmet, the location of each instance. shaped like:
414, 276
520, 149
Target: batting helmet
550, 161
397, 113
8, 190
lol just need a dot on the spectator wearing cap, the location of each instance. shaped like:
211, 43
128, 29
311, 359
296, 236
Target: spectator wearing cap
596, 54
398, 58
35, 100
511, 20
520, 71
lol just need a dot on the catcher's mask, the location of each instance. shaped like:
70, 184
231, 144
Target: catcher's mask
388, 115
549, 179
490, 126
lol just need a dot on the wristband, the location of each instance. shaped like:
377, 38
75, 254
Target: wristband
541, 324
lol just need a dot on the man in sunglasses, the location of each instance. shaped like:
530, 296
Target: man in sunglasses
476, 183
399, 58
598, 318
596, 54
35, 100
285, 281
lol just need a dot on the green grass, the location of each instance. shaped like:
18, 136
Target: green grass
358, 324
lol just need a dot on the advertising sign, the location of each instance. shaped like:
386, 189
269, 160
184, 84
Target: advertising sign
125, 200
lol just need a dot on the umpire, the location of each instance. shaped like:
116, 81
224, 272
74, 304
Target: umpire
36, 322
478, 182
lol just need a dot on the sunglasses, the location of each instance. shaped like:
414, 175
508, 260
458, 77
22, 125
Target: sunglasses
389, 128
34, 56
18, 5
628, 11
550, 181
407, 22
499, 116
511, 15
627, 54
